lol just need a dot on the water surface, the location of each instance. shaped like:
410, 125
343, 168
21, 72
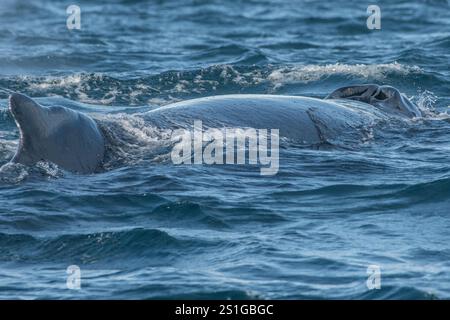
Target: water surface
155, 230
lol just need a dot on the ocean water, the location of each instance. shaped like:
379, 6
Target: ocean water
147, 229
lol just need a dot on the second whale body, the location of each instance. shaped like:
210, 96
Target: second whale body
75, 142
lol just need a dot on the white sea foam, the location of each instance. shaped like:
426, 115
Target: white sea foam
13, 173
167, 87
309, 73
130, 140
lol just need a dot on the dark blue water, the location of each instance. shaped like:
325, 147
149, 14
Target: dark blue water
150, 229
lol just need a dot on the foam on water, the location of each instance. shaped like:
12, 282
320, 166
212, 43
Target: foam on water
102, 89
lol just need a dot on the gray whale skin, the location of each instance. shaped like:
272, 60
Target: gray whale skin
74, 141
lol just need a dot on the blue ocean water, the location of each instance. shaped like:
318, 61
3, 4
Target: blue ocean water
149, 230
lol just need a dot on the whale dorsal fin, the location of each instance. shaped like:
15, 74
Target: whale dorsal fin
63, 136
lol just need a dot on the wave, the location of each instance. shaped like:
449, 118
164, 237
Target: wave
147, 292
172, 86
433, 191
310, 73
94, 247
359, 198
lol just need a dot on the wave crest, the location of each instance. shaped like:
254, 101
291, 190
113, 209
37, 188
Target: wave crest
172, 86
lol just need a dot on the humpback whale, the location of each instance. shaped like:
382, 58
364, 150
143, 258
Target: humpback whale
75, 142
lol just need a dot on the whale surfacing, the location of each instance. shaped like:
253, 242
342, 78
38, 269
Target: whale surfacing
74, 141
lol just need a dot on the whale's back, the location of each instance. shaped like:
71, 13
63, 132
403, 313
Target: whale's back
308, 120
